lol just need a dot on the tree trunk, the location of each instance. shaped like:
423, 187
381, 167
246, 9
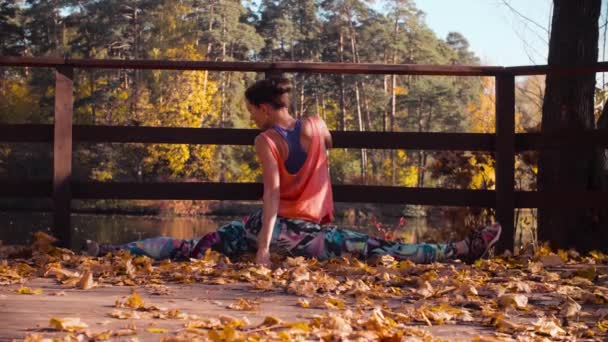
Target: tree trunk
207, 57
568, 105
222, 102
342, 119
353, 46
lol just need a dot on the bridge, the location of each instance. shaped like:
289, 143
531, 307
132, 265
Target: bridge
503, 144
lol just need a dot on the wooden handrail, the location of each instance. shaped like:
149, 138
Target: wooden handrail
309, 67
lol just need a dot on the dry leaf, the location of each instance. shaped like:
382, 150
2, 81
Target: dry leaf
133, 302
518, 301
28, 291
551, 260
67, 324
244, 305
548, 327
86, 281
271, 321
570, 307
303, 303
125, 332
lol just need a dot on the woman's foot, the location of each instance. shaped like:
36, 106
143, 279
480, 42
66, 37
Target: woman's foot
479, 242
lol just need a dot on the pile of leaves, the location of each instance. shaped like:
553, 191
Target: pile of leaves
543, 296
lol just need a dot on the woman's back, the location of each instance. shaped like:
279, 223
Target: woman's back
305, 193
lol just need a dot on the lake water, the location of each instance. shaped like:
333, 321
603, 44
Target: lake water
18, 227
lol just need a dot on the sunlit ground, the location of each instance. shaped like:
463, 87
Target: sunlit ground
545, 296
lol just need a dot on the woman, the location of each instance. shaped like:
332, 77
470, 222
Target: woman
297, 201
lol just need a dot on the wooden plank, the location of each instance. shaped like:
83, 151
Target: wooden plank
62, 153
553, 140
25, 189
253, 191
38, 62
341, 139
414, 140
308, 67
343, 193
21, 133
505, 159
561, 199
557, 70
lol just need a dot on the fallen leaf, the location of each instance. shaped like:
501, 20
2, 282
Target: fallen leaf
303, 303
518, 301
551, 260
548, 327
86, 281
244, 305
270, 321
125, 332
28, 291
570, 307
67, 324
133, 302
157, 330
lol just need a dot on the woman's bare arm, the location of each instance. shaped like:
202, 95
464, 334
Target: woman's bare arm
270, 173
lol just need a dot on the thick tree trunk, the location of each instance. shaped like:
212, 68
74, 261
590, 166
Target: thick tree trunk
568, 105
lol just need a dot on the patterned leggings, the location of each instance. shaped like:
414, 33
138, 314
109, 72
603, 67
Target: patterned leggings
290, 237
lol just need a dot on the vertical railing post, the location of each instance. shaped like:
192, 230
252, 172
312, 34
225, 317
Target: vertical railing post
62, 153
505, 158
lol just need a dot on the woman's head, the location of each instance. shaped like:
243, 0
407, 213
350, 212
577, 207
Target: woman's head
266, 98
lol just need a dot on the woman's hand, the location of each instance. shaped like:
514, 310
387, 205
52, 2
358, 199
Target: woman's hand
262, 257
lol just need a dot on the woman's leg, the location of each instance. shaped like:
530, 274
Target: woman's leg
334, 242
157, 248
302, 238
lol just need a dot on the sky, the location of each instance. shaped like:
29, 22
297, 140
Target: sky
496, 33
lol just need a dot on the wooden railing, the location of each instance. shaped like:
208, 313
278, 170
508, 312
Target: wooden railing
504, 144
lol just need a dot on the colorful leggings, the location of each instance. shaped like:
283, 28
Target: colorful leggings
290, 237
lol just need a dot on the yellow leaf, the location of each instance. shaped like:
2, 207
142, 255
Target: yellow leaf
303, 303
103, 336
157, 330
28, 291
300, 326
134, 302
67, 324
334, 303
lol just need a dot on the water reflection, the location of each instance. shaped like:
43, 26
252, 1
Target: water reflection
18, 227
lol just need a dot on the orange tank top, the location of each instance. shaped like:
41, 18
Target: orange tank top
306, 194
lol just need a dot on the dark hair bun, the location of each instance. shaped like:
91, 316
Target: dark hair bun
273, 91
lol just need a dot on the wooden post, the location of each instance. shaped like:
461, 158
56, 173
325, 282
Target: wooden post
62, 154
505, 158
